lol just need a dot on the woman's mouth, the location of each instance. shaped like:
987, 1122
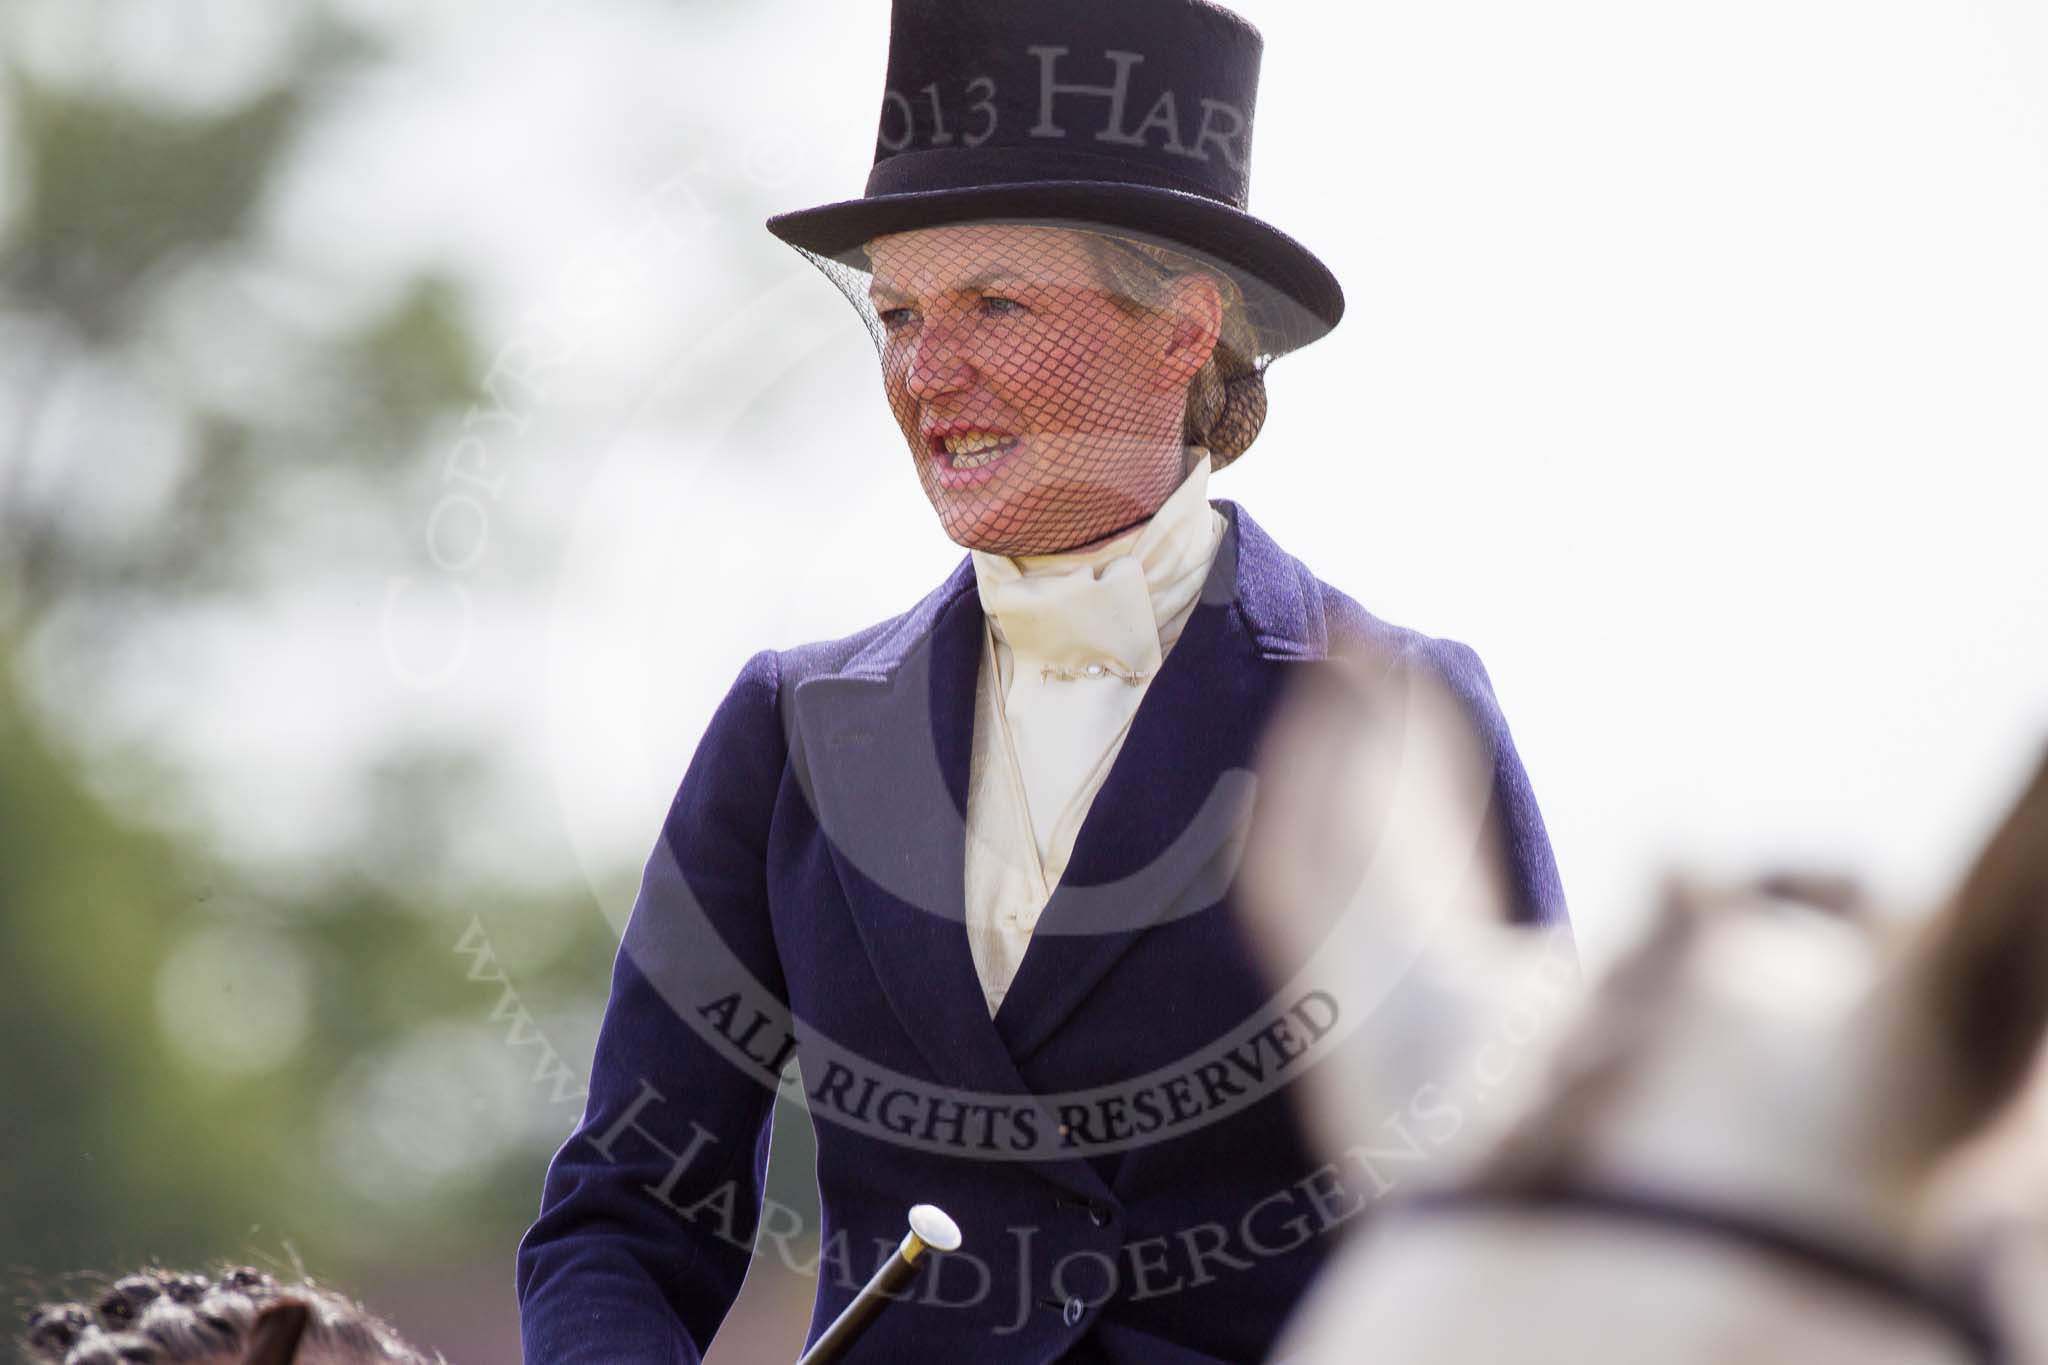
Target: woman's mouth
967, 458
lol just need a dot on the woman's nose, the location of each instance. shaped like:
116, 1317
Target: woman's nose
936, 365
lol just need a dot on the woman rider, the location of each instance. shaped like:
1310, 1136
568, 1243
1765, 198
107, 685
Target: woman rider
971, 867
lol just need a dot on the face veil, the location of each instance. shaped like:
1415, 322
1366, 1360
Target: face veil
1050, 378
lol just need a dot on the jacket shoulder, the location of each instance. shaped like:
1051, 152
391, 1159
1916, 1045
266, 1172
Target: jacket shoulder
1292, 613
875, 650
1352, 627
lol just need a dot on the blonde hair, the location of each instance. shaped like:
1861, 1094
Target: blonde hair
1227, 397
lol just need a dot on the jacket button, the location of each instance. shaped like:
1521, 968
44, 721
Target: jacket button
1099, 1215
1071, 1314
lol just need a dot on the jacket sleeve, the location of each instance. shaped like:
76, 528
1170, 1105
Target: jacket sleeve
649, 1209
1537, 894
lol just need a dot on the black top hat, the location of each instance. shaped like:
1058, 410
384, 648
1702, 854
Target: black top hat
1132, 115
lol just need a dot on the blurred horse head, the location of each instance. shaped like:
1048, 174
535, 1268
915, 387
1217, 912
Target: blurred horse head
1731, 1147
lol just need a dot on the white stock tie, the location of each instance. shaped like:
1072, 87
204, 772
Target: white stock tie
1084, 638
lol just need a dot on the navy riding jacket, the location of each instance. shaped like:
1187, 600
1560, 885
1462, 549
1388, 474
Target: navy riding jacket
1117, 1144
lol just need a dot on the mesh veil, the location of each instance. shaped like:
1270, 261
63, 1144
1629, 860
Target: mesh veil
1050, 378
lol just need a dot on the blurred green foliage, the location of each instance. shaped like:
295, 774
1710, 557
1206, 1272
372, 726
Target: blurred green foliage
122, 1140
115, 196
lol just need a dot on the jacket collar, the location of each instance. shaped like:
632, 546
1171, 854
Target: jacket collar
1280, 612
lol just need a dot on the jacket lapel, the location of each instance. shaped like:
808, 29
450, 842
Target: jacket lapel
886, 742
887, 747
887, 755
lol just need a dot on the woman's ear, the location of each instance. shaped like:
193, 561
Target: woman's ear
1194, 306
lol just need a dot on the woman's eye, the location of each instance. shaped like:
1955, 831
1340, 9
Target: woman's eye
1000, 306
894, 318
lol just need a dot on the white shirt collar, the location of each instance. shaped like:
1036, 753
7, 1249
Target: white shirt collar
1122, 603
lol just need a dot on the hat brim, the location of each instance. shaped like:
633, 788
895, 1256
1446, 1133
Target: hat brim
1292, 297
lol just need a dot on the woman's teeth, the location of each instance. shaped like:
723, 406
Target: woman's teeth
973, 451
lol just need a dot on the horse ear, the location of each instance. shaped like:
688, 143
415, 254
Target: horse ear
275, 1338
1372, 877
1982, 970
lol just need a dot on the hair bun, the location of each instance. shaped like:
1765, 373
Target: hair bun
1237, 423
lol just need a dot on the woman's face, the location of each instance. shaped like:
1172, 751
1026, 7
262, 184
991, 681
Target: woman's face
1042, 415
